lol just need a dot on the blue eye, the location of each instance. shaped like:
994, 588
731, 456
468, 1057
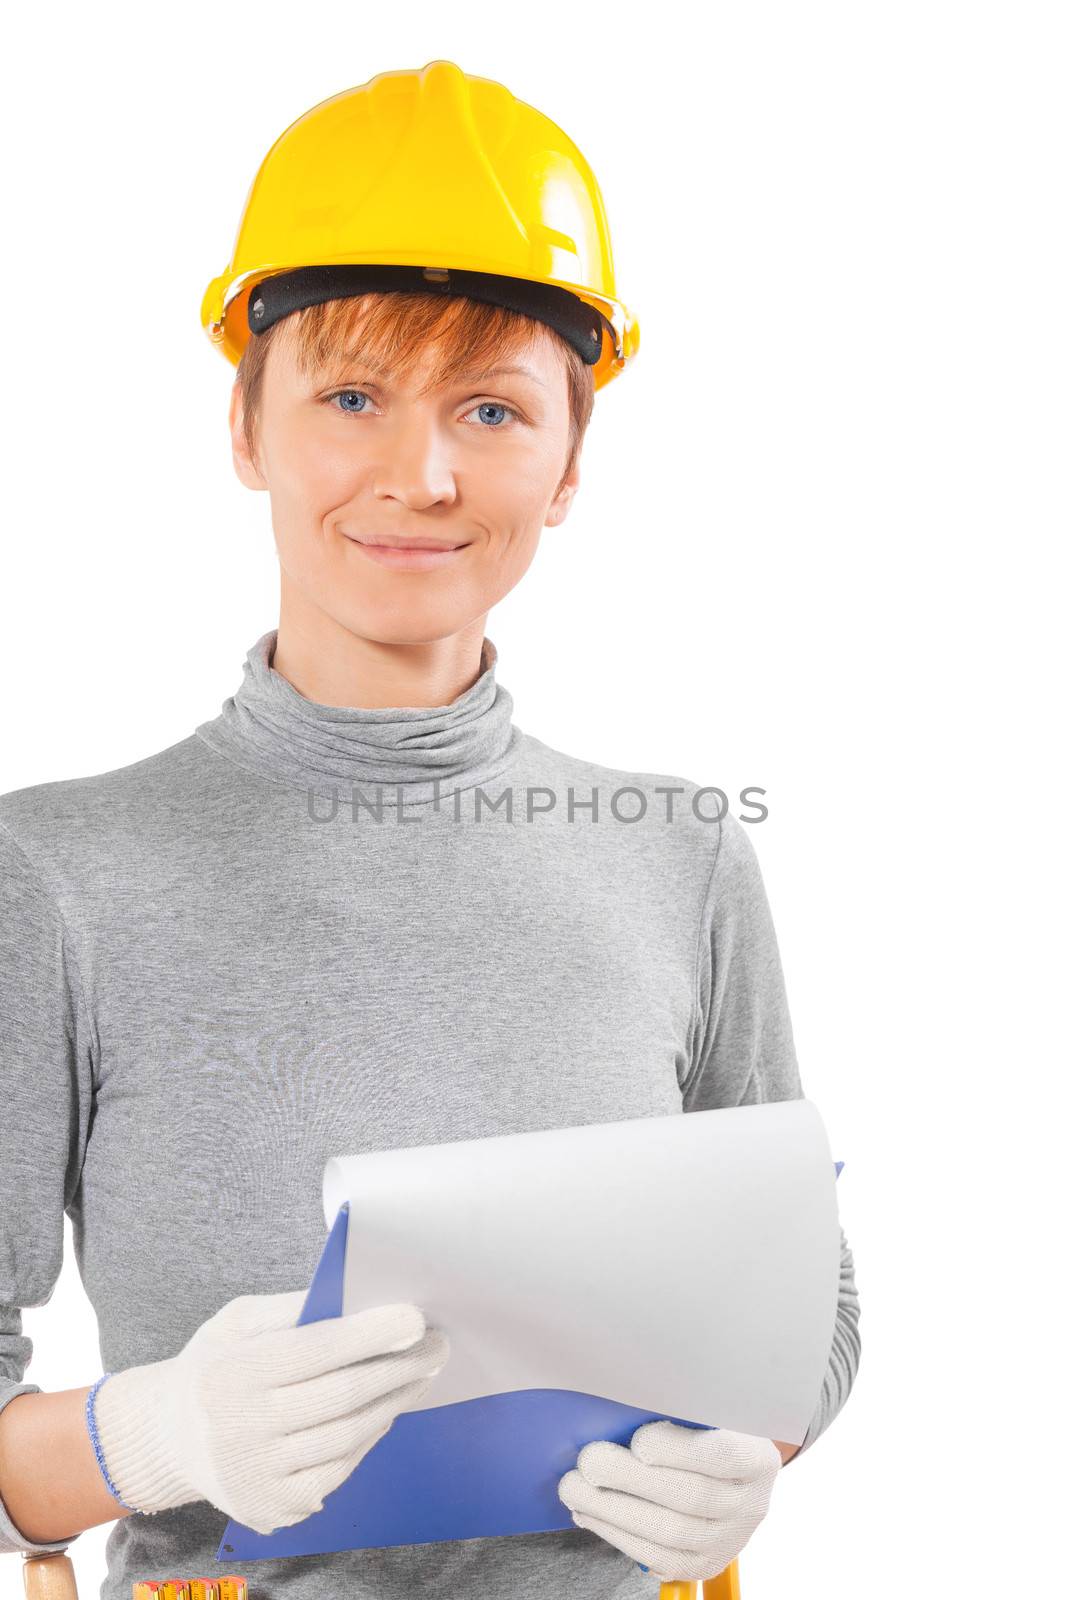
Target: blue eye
343, 394
493, 405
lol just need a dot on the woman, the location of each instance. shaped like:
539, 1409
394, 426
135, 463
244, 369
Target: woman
360, 909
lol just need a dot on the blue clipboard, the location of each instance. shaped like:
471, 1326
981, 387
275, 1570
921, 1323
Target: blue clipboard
478, 1469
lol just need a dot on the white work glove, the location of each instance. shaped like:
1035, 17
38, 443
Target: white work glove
682, 1501
260, 1417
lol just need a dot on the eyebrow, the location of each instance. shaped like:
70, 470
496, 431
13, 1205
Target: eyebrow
499, 372
355, 358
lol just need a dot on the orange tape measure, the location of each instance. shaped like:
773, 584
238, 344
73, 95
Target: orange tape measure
231, 1587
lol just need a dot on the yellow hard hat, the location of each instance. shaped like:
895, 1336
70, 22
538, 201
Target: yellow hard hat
431, 180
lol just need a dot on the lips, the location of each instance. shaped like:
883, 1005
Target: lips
407, 544
410, 557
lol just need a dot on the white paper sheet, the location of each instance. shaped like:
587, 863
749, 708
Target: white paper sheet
684, 1264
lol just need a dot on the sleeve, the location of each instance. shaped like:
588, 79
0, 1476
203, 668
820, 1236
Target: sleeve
46, 1096
743, 1052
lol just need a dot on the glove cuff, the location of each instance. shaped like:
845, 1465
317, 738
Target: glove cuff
134, 1438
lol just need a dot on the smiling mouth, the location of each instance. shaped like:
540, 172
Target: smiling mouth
409, 557
404, 544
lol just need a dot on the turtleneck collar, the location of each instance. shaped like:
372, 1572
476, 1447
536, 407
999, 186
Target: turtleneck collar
268, 726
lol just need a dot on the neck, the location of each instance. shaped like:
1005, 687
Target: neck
328, 663
272, 727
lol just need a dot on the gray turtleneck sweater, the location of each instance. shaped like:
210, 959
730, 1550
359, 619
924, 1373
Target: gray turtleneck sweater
307, 930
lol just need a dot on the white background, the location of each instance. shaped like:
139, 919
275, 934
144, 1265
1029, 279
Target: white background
816, 548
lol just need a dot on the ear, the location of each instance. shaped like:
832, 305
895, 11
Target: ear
243, 462
564, 495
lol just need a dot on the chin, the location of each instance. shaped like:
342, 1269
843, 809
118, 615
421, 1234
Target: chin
404, 623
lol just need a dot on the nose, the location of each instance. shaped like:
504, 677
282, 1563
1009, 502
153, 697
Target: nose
414, 466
